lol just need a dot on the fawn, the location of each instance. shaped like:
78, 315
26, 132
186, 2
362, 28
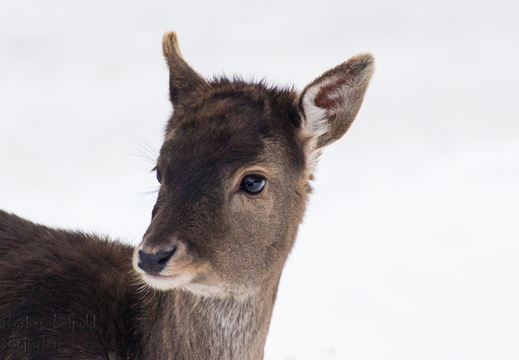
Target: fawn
234, 170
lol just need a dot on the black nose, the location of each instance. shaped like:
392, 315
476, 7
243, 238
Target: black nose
154, 263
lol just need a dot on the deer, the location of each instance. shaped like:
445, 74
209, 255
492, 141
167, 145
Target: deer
235, 172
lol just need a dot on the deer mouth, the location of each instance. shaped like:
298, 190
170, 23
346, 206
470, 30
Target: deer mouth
167, 282
161, 277
170, 267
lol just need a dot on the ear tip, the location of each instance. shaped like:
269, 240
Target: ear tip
170, 37
170, 44
366, 57
363, 61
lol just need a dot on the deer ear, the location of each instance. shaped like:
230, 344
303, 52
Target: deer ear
182, 78
330, 103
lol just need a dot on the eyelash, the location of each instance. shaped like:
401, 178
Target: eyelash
158, 174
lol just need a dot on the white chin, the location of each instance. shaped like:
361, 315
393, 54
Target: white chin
167, 282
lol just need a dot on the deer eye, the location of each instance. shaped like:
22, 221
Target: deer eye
253, 184
159, 176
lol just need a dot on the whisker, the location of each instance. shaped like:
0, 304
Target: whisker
145, 150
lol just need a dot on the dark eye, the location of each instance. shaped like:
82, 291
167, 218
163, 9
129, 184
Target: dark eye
252, 184
159, 176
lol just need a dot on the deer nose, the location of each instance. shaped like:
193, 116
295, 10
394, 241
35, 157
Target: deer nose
154, 263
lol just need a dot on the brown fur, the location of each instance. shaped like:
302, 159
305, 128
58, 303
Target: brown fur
213, 294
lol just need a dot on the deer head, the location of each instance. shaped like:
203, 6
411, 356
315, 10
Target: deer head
234, 171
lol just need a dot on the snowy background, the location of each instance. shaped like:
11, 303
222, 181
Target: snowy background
410, 246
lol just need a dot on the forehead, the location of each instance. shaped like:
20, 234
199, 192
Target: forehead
230, 125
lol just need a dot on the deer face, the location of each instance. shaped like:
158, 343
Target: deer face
232, 191
234, 171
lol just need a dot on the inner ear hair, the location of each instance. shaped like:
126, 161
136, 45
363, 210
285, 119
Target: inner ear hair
331, 102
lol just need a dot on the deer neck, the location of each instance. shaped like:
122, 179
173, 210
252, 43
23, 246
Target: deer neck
193, 327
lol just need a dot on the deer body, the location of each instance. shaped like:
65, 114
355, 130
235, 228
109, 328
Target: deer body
40, 304
234, 172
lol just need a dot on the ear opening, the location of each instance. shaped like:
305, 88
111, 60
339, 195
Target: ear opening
182, 78
331, 102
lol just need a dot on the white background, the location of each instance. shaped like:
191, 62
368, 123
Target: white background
410, 246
